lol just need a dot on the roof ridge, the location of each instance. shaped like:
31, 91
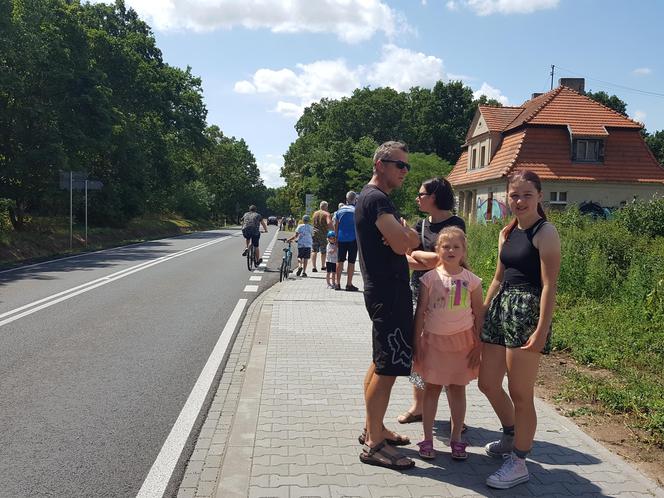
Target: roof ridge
605, 107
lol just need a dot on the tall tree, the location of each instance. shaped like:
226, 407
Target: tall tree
610, 101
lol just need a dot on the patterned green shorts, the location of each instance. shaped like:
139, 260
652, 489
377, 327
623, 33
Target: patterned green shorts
512, 317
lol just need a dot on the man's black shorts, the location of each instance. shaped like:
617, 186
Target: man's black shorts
304, 252
390, 309
350, 249
252, 233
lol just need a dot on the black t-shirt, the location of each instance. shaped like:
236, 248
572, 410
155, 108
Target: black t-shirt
430, 237
380, 264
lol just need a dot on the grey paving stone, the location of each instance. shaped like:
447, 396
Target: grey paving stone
314, 350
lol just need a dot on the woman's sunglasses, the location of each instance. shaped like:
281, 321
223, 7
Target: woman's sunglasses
397, 163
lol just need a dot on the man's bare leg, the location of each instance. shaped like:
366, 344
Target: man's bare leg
350, 270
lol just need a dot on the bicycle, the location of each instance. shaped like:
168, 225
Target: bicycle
286, 261
251, 257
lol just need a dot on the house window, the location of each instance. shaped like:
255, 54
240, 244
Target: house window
559, 198
483, 157
588, 151
474, 160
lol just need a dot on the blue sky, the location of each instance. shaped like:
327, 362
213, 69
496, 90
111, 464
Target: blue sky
262, 61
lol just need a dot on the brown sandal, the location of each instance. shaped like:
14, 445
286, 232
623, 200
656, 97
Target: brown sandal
379, 455
398, 441
409, 418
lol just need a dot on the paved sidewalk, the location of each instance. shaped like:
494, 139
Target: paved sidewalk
289, 408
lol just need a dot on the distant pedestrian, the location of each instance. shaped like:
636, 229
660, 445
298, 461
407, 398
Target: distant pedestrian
383, 240
331, 263
517, 327
447, 348
344, 227
322, 222
304, 237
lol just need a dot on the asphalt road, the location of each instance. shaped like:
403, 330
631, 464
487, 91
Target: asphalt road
99, 353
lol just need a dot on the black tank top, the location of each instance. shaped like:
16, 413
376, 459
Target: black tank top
521, 258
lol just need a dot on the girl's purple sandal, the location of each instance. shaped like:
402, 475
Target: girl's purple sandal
459, 450
426, 449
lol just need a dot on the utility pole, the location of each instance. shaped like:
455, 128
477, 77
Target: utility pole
553, 67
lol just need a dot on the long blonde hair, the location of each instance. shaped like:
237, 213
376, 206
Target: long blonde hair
450, 233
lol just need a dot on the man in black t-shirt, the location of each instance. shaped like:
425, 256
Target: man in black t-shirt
383, 238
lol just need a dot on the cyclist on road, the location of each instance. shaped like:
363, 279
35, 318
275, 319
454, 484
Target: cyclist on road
251, 223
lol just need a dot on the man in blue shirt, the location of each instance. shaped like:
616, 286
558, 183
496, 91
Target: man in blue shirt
344, 227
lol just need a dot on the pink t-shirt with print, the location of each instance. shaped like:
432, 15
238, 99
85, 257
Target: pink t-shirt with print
449, 310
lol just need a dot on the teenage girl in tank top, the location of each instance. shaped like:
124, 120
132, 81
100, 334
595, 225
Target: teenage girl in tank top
517, 326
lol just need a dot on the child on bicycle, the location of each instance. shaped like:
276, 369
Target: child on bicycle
331, 261
304, 235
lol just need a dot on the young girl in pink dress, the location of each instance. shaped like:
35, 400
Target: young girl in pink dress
447, 323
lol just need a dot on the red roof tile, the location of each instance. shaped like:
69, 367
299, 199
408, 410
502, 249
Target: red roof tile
497, 118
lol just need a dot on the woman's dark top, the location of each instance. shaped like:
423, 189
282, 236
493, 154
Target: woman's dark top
430, 236
521, 258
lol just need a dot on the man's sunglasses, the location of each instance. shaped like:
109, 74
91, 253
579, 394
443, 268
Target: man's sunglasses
398, 164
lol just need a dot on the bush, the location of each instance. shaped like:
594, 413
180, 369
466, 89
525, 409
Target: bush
194, 200
643, 217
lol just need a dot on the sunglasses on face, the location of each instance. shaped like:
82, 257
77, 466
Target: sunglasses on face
422, 194
397, 163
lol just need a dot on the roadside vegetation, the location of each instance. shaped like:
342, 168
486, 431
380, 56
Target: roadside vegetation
610, 311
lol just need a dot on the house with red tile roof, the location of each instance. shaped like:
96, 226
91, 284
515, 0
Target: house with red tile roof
582, 151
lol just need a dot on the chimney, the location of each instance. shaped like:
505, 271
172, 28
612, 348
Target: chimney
576, 84
536, 94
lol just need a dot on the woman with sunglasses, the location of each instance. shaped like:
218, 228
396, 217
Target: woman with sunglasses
435, 198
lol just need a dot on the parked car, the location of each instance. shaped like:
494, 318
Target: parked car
272, 220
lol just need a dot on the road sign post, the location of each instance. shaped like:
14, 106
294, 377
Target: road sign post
77, 180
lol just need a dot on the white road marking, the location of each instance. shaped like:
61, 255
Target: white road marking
250, 288
255, 278
53, 299
155, 483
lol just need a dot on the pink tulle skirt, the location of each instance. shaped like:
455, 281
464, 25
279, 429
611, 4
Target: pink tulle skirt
442, 358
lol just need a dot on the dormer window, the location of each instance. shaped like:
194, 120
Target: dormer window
473, 163
587, 150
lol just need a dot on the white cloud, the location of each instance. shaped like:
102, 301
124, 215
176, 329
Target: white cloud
488, 7
402, 69
352, 21
244, 87
642, 71
639, 116
271, 174
490, 92
397, 68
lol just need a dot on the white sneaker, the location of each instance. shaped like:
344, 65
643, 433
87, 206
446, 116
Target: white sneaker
512, 472
497, 449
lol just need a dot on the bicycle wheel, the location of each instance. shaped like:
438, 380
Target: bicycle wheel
283, 275
250, 257
288, 263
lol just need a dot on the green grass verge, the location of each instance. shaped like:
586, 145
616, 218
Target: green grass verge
45, 238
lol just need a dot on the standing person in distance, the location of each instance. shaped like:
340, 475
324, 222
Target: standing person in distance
517, 327
384, 238
304, 237
331, 263
321, 220
435, 198
344, 227
251, 223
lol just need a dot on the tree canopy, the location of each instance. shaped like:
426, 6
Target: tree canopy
336, 138
83, 87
